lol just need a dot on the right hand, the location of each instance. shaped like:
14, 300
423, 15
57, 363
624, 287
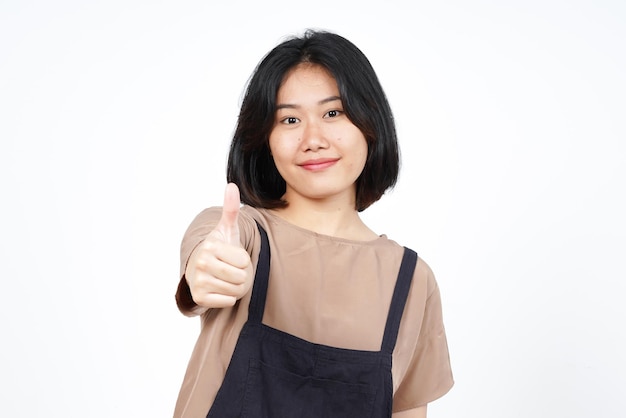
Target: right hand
219, 270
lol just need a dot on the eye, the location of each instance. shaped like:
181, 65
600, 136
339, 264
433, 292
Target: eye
289, 120
333, 113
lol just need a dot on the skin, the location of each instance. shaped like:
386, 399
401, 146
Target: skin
219, 270
320, 153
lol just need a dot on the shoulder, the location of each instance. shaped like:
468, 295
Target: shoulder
425, 275
423, 281
423, 286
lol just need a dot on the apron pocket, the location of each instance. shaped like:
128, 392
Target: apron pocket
276, 393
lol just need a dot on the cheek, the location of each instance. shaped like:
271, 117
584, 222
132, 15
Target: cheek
275, 149
363, 151
280, 152
274, 145
284, 145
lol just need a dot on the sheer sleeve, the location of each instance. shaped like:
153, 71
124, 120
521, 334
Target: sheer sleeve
429, 374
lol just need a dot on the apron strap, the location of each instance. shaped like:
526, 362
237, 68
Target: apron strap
398, 300
261, 279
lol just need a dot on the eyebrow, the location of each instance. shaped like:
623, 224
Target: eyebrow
321, 102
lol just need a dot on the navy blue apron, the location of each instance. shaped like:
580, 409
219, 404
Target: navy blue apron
273, 374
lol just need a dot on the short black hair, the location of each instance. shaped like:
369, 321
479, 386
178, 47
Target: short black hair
250, 163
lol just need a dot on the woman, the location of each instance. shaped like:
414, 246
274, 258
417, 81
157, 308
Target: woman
307, 312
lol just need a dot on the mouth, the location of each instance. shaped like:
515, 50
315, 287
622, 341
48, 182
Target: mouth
318, 164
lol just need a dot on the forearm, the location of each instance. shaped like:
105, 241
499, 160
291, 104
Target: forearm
411, 413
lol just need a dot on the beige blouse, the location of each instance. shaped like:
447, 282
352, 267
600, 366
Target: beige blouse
325, 290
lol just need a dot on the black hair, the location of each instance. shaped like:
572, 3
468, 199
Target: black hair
250, 163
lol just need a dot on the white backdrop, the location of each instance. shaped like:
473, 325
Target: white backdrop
115, 119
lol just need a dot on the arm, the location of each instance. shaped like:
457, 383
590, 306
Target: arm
218, 271
428, 374
411, 413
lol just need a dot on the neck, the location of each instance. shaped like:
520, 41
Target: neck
327, 218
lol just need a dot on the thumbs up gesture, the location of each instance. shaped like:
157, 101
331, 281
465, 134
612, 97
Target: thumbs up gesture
219, 270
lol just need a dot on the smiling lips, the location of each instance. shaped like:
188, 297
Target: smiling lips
318, 164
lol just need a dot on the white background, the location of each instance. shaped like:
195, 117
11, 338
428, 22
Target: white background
115, 120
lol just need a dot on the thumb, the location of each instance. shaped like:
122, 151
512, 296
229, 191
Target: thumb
228, 226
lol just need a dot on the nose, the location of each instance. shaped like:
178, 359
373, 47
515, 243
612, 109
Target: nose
313, 137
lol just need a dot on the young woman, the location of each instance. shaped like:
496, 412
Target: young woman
307, 312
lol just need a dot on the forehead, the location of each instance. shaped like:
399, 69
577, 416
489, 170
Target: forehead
307, 78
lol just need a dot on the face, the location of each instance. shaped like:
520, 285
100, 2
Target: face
317, 150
